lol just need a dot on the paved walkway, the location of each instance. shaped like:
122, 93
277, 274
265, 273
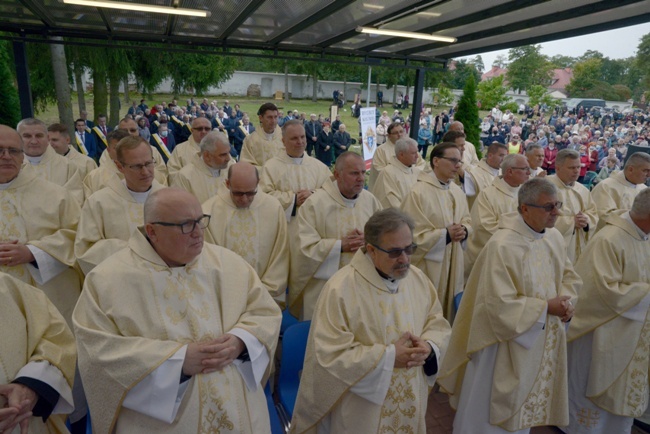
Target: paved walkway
440, 417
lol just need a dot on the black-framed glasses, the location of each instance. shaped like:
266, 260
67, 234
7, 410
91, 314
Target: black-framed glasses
548, 207
13, 152
138, 167
202, 129
243, 193
187, 227
396, 253
455, 161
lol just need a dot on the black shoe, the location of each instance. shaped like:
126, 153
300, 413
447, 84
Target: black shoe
644, 426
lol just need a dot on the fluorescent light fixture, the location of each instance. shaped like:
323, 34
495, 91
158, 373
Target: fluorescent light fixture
139, 7
429, 14
402, 34
371, 6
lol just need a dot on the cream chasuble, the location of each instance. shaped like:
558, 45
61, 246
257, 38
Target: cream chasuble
482, 176
356, 320
503, 315
39, 345
182, 155
612, 318
136, 312
435, 206
490, 205
613, 194
323, 220
107, 221
282, 176
575, 199
382, 158
100, 177
394, 183
470, 157
257, 149
42, 214
199, 179
83, 163
59, 170
257, 233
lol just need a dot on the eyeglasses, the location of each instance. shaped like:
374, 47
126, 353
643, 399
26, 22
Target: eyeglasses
548, 207
13, 152
454, 161
138, 167
188, 226
202, 128
527, 169
243, 193
396, 253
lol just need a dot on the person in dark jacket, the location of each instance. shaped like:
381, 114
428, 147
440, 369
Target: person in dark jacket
342, 141
325, 146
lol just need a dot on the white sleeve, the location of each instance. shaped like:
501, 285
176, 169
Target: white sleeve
160, 393
437, 252
374, 386
52, 376
48, 266
638, 312
253, 371
331, 264
468, 185
527, 338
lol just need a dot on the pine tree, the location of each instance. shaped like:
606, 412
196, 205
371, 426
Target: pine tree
467, 113
9, 103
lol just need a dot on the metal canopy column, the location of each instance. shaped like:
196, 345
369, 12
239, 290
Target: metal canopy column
416, 106
22, 76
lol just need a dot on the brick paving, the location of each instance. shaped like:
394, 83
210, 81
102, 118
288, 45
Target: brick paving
440, 418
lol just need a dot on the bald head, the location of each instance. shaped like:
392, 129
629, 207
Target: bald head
456, 126
242, 182
130, 126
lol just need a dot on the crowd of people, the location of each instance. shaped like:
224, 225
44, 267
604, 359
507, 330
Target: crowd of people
145, 268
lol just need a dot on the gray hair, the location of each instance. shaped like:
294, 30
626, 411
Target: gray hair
210, 141
637, 159
403, 145
385, 221
28, 122
510, 161
533, 147
531, 190
564, 154
641, 205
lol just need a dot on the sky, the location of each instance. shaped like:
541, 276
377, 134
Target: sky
615, 44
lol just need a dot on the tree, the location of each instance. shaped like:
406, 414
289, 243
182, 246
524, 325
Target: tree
199, 71
643, 61
9, 103
501, 61
62, 82
539, 95
478, 63
41, 75
492, 92
461, 73
528, 67
443, 95
586, 76
561, 61
467, 113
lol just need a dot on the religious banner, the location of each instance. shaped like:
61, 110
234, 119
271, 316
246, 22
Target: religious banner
369, 138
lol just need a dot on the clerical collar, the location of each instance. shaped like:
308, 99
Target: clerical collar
34, 161
298, 160
536, 235
215, 172
626, 217
492, 170
66, 154
138, 196
348, 202
443, 183
567, 185
268, 136
391, 284
7, 185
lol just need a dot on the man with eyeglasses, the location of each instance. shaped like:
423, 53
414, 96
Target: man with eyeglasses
496, 201
482, 175
579, 217
110, 215
442, 224
171, 317
207, 170
376, 340
252, 224
107, 158
43, 159
385, 152
266, 142
38, 220
330, 231
506, 366
184, 152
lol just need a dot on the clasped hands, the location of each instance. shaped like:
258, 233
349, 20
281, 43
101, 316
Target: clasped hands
20, 400
456, 232
353, 241
13, 253
411, 351
212, 356
561, 306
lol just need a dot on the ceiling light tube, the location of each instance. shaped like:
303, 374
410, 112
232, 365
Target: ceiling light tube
139, 7
402, 34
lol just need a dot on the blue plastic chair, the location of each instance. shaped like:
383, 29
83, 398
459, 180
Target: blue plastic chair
287, 321
276, 425
294, 344
457, 298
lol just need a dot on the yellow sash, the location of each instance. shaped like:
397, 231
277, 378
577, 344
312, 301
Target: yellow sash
243, 130
80, 145
162, 145
101, 135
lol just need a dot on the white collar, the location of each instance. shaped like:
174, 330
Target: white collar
34, 161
